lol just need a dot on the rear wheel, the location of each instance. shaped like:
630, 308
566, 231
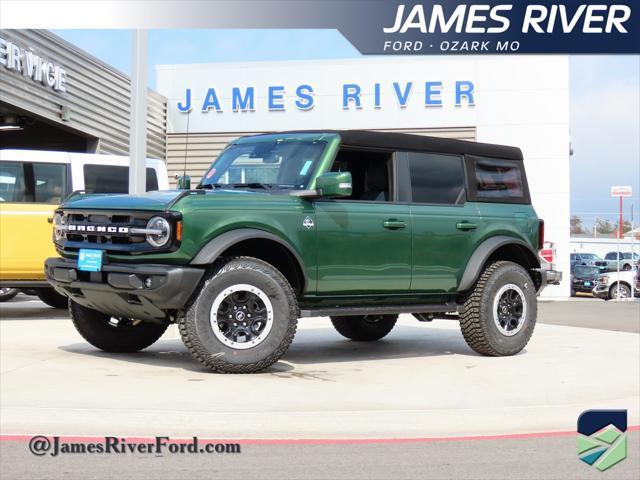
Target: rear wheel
52, 298
7, 294
121, 335
626, 267
619, 291
499, 314
243, 319
364, 328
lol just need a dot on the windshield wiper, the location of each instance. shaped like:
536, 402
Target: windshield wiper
265, 186
212, 186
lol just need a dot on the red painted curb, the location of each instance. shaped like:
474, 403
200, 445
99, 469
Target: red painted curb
306, 441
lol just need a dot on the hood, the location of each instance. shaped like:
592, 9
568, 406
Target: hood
159, 200
166, 199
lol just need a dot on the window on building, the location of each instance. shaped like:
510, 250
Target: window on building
112, 179
436, 178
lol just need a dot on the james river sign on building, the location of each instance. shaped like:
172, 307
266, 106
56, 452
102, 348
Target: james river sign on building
31, 65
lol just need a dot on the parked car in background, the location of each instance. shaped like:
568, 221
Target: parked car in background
32, 184
614, 285
626, 259
584, 278
591, 259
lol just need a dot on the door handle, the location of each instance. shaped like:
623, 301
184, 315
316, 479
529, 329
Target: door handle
392, 224
466, 226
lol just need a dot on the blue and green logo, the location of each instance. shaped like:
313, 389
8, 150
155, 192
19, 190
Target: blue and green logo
602, 438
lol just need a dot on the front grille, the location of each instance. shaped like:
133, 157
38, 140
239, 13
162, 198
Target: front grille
117, 232
92, 221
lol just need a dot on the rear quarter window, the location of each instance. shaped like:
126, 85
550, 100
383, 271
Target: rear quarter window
497, 180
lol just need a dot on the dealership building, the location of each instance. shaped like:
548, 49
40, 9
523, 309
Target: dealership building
54, 96
512, 100
61, 98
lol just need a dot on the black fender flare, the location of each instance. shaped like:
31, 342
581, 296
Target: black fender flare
214, 248
481, 255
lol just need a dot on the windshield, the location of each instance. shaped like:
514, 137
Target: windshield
582, 270
589, 256
284, 164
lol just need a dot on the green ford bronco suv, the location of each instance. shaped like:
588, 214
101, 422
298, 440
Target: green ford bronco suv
353, 225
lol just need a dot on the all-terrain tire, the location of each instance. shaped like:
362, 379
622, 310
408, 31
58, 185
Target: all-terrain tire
52, 298
209, 347
364, 328
481, 331
126, 336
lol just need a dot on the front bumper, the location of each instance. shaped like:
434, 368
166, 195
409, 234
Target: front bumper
145, 292
601, 290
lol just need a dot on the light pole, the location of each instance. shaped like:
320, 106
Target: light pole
138, 115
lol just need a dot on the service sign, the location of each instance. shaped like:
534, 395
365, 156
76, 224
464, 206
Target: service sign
32, 65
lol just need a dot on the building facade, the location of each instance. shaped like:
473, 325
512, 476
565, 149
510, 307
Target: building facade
54, 96
512, 100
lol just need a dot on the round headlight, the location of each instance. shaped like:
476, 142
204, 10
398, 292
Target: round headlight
58, 223
163, 232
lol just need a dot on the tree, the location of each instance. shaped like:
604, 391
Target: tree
604, 226
576, 225
626, 226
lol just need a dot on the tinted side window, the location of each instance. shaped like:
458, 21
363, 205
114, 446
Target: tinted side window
112, 179
12, 183
497, 180
32, 182
50, 181
436, 178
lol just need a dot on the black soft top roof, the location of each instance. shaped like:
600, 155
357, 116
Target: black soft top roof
404, 141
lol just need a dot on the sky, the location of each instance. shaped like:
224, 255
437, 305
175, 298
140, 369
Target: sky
604, 95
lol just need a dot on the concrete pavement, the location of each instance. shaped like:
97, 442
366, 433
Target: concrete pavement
421, 381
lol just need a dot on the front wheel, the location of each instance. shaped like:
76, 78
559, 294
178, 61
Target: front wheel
243, 319
52, 298
619, 291
499, 314
7, 294
120, 335
626, 267
364, 328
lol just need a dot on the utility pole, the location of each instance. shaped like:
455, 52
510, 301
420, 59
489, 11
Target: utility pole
138, 115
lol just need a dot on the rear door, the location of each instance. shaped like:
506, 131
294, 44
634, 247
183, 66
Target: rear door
29, 194
444, 223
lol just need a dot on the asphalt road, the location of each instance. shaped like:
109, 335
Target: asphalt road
514, 459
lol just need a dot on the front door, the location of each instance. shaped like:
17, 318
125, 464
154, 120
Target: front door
364, 241
363, 247
29, 194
